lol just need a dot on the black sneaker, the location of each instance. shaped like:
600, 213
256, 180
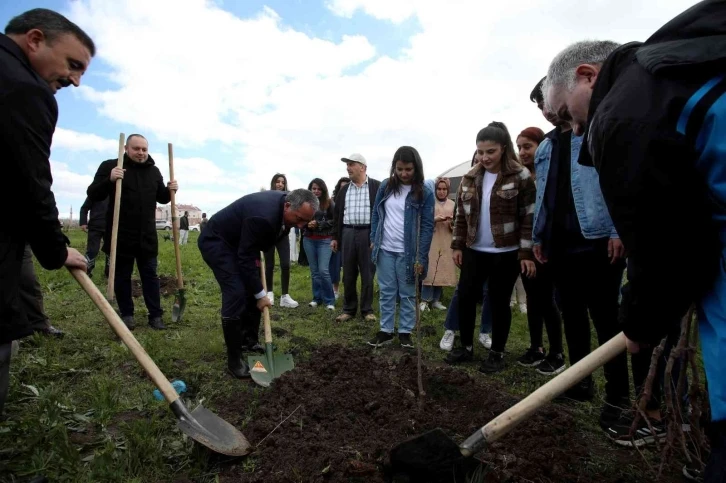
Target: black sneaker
531, 358
613, 411
620, 432
405, 340
381, 338
156, 324
129, 321
459, 355
552, 365
581, 392
494, 363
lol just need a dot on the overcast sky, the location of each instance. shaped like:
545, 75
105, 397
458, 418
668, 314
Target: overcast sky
244, 89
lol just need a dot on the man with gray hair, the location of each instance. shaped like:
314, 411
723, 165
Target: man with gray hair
231, 245
654, 117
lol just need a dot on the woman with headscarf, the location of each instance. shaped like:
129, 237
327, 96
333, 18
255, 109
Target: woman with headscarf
442, 271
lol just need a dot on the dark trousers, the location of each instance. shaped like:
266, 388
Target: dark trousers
356, 245
149, 285
237, 304
93, 246
500, 270
283, 251
541, 308
589, 283
31, 295
5, 352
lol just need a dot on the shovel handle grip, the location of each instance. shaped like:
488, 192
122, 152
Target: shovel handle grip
175, 221
125, 334
266, 310
114, 227
518, 413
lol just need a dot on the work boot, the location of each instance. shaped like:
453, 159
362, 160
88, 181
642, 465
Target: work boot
233, 339
250, 329
156, 323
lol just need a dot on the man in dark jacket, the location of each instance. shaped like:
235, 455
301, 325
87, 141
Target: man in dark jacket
95, 226
654, 115
352, 235
142, 187
41, 52
184, 228
231, 246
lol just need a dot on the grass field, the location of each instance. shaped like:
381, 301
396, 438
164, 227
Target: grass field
81, 409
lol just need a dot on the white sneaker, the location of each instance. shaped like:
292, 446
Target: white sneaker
337, 295
485, 340
271, 296
438, 305
423, 306
287, 301
523, 308
313, 304
447, 341
330, 307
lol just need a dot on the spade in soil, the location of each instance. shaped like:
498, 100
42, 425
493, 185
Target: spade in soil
433, 455
202, 425
271, 365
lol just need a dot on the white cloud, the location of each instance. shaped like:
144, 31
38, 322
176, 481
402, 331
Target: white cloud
68, 185
286, 102
78, 141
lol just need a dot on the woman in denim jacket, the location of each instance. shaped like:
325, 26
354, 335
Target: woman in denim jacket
402, 225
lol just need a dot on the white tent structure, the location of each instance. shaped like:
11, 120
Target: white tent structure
454, 174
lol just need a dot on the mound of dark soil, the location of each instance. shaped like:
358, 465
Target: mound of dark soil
344, 409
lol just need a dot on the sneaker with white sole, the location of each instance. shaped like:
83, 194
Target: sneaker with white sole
523, 308
438, 305
447, 341
485, 340
381, 338
313, 304
337, 295
330, 307
287, 301
271, 296
423, 306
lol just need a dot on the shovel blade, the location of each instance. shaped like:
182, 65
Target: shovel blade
265, 368
205, 427
180, 303
431, 456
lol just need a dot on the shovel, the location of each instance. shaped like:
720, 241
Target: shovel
114, 227
201, 424
434, 453
180, 301
269, 366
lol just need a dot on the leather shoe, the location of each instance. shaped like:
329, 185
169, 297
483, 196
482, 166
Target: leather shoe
52, 331
129, 321
157, 324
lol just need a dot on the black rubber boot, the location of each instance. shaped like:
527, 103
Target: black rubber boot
250, 327
233, 339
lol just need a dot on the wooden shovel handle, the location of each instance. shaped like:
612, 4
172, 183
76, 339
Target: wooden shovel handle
175, 221
266, 310
125, 334
114, 227
510, 418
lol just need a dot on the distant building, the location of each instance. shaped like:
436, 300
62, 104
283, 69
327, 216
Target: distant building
163, 212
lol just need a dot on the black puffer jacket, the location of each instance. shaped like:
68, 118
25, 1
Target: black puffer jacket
142, 187
326, 223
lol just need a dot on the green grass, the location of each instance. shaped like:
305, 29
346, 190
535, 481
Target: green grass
81, 409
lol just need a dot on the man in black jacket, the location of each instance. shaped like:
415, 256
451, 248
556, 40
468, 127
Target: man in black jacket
142, 187
95, 226
654, 116
231, 245
184, 228
41, 52
352, 235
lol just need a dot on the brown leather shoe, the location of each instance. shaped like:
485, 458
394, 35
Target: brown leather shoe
343, 318
370, 318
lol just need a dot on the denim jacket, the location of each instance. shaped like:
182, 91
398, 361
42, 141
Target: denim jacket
592, 213
413, 210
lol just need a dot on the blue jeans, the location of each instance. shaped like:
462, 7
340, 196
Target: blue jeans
391, 270
318, 253
336, 262
432, 294
452, 315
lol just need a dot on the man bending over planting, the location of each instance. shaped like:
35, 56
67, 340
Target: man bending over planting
231, 245
654, 119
